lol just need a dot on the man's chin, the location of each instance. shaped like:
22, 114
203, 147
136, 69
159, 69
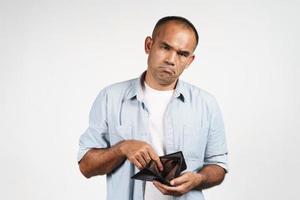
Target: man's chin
166, 82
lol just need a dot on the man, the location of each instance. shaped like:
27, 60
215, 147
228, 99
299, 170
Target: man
136, 121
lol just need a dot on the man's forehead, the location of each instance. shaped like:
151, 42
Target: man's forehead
168, 31
172, 25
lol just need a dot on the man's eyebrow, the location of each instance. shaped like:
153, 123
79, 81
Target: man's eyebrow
186, 53
166, 44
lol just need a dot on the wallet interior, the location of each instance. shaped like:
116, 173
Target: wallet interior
173, 165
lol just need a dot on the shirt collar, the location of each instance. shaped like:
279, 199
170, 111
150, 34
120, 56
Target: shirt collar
138, 86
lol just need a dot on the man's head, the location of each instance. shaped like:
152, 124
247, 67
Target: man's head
170, 51
179, 20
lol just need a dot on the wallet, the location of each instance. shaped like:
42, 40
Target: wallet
173, 165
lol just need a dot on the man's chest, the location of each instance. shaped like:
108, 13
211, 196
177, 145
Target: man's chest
185, 127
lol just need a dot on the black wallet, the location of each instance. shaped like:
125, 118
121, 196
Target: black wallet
173, 165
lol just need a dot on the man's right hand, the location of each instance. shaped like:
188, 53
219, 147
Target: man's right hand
140, 153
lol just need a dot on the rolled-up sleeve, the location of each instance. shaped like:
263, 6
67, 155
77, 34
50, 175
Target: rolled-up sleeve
96, 135
216, 149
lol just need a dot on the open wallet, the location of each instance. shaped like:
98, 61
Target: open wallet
173, 165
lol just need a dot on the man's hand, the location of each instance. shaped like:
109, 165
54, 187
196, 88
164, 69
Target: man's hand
181, 185
140, 153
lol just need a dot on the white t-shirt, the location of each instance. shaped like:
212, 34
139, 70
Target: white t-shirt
156, 102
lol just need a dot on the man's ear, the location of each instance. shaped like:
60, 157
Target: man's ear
148, 44
191, 59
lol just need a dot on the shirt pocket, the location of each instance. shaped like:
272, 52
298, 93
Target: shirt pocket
120, 133
194, 142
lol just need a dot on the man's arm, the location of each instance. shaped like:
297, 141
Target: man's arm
103, 161
210, 175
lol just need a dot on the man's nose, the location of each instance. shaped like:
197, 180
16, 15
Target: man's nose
170, 59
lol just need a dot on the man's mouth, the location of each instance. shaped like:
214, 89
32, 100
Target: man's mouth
167, 70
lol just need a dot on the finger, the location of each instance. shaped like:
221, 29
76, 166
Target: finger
137, 164
147, 157
175, 191
155, 183
179, 180
165, 187
134, 161
141, 160
185, 187
156, 159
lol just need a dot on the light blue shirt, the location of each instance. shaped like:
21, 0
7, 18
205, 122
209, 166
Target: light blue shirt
193, 124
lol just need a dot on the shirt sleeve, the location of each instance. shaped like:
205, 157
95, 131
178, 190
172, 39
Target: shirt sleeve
216, 149
96, 135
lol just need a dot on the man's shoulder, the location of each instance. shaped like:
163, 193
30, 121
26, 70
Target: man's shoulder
120, 88
194, 92
121, 85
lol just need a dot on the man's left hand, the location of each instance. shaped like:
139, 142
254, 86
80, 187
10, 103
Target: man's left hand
180, 185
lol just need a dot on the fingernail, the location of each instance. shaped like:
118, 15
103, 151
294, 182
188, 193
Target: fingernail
172, 182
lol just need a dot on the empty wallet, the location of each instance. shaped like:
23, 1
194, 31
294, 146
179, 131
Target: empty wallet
173, 165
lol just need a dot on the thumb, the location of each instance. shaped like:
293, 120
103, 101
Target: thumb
179, 180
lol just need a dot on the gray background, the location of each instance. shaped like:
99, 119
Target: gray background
55, 56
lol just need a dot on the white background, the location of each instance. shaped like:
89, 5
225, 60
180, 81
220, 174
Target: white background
55, 56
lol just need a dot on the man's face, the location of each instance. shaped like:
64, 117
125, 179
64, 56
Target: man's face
170, 53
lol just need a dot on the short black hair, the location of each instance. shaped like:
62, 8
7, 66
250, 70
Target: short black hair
177, 19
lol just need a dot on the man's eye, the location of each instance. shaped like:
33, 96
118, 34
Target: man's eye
165, 47
183, 54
